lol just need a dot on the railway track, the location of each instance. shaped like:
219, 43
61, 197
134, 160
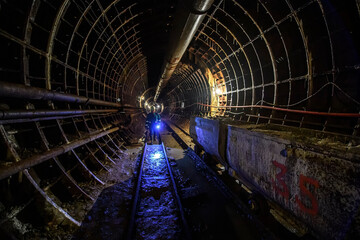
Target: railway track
264, 231
157, 212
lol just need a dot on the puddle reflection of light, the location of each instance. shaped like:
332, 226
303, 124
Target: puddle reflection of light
157, 155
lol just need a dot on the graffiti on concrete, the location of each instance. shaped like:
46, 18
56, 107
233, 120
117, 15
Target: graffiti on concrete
305, 184
283, 190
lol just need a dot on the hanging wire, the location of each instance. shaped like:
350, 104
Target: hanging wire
307, 98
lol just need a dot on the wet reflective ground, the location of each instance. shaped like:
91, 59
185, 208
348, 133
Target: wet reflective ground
209, 214
157, 216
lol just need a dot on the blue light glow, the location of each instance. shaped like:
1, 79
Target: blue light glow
157, 155
157, 126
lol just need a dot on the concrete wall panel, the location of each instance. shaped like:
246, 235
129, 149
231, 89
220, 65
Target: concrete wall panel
208, 134
318, 187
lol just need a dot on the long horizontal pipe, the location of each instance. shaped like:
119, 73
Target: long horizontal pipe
187, 22
13, 90
14, 114
7, 171
355, 115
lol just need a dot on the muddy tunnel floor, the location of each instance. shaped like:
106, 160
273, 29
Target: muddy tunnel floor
209, 214
109, 213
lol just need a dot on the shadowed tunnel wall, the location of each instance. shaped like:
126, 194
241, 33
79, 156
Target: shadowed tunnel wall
72, 73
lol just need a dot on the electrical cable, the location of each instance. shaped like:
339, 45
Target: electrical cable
357, 115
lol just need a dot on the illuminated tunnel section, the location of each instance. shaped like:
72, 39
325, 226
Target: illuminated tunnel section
297, 55
73, 74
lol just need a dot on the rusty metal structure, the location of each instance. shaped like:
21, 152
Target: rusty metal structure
73, 72
186, 24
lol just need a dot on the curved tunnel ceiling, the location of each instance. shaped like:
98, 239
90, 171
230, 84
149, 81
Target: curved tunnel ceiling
286, 54
72, 72
297, 55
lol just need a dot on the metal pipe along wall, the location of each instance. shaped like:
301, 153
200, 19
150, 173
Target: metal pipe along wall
187, 21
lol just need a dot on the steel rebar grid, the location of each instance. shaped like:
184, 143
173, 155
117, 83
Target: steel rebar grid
16, 167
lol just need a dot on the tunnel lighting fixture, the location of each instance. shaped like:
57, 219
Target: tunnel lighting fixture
157, 106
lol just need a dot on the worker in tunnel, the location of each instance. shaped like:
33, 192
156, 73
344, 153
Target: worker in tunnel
152, 125
272, 97
158, 126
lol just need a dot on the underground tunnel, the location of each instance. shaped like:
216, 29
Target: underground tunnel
259, 103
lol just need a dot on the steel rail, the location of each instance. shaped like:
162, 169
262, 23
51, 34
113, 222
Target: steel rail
136, 198
225, 190
178, 201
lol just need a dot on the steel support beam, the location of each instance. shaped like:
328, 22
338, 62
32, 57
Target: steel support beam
20, 114
187, 21
49, 199
12, 90
7, 171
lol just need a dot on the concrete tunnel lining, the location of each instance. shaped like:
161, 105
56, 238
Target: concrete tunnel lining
247, 60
